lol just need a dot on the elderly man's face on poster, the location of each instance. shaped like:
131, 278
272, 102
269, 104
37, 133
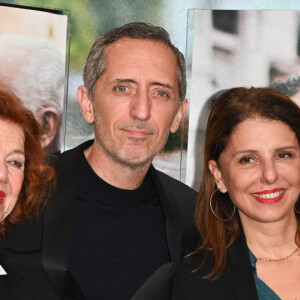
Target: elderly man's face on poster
32, 66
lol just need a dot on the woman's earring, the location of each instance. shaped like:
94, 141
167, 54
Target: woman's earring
211, 208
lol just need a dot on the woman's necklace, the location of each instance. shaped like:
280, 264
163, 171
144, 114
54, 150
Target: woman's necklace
279, 259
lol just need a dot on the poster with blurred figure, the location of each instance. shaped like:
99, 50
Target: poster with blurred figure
230, 48
33, 65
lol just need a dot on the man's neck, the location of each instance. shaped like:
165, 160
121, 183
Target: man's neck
113, 172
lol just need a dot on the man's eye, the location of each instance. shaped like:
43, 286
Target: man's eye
122, 88
162, 94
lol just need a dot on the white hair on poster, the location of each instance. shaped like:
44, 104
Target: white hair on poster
33, 47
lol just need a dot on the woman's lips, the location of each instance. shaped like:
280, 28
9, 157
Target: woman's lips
269, 196
2, 196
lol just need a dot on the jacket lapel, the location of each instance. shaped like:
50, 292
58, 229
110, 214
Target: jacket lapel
242, 275
172, 215
158, 285
58, 222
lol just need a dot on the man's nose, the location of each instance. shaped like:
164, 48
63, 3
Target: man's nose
141, 106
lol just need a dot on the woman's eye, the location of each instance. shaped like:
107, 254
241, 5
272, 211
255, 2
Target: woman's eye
246, 160
16, 164
284, 155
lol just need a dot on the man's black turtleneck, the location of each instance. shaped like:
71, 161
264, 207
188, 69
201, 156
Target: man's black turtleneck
118, 237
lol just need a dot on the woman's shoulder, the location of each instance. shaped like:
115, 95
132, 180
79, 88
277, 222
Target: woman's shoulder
189, 281
235, 282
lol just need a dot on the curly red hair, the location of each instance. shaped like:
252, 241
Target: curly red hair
38, 176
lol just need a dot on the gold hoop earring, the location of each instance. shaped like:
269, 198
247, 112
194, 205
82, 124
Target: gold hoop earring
210, 204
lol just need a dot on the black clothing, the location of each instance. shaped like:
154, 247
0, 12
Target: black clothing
46, 241
106, 218
235, 283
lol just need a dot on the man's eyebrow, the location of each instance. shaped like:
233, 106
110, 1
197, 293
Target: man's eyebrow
166, 85
121, 80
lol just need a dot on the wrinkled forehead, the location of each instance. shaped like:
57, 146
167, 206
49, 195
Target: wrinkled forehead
148, 57
151, 48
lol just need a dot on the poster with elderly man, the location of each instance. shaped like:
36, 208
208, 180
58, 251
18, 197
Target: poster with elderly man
33, 60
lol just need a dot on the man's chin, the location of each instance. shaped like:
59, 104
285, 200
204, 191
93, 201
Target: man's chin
135, 161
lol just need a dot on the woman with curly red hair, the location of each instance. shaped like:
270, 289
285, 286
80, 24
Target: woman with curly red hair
25, 179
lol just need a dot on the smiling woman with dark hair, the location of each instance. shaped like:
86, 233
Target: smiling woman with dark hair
25, 179
248, 206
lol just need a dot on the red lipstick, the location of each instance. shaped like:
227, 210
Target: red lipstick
269, 196
2, 195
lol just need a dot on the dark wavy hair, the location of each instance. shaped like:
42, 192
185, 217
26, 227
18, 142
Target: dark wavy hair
38, 176
230, 109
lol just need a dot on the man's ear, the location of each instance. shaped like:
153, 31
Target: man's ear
50, 120
214, 169
86, 104
179, 115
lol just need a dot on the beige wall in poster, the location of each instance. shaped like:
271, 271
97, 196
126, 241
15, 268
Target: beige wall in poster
33, 22
32, 66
